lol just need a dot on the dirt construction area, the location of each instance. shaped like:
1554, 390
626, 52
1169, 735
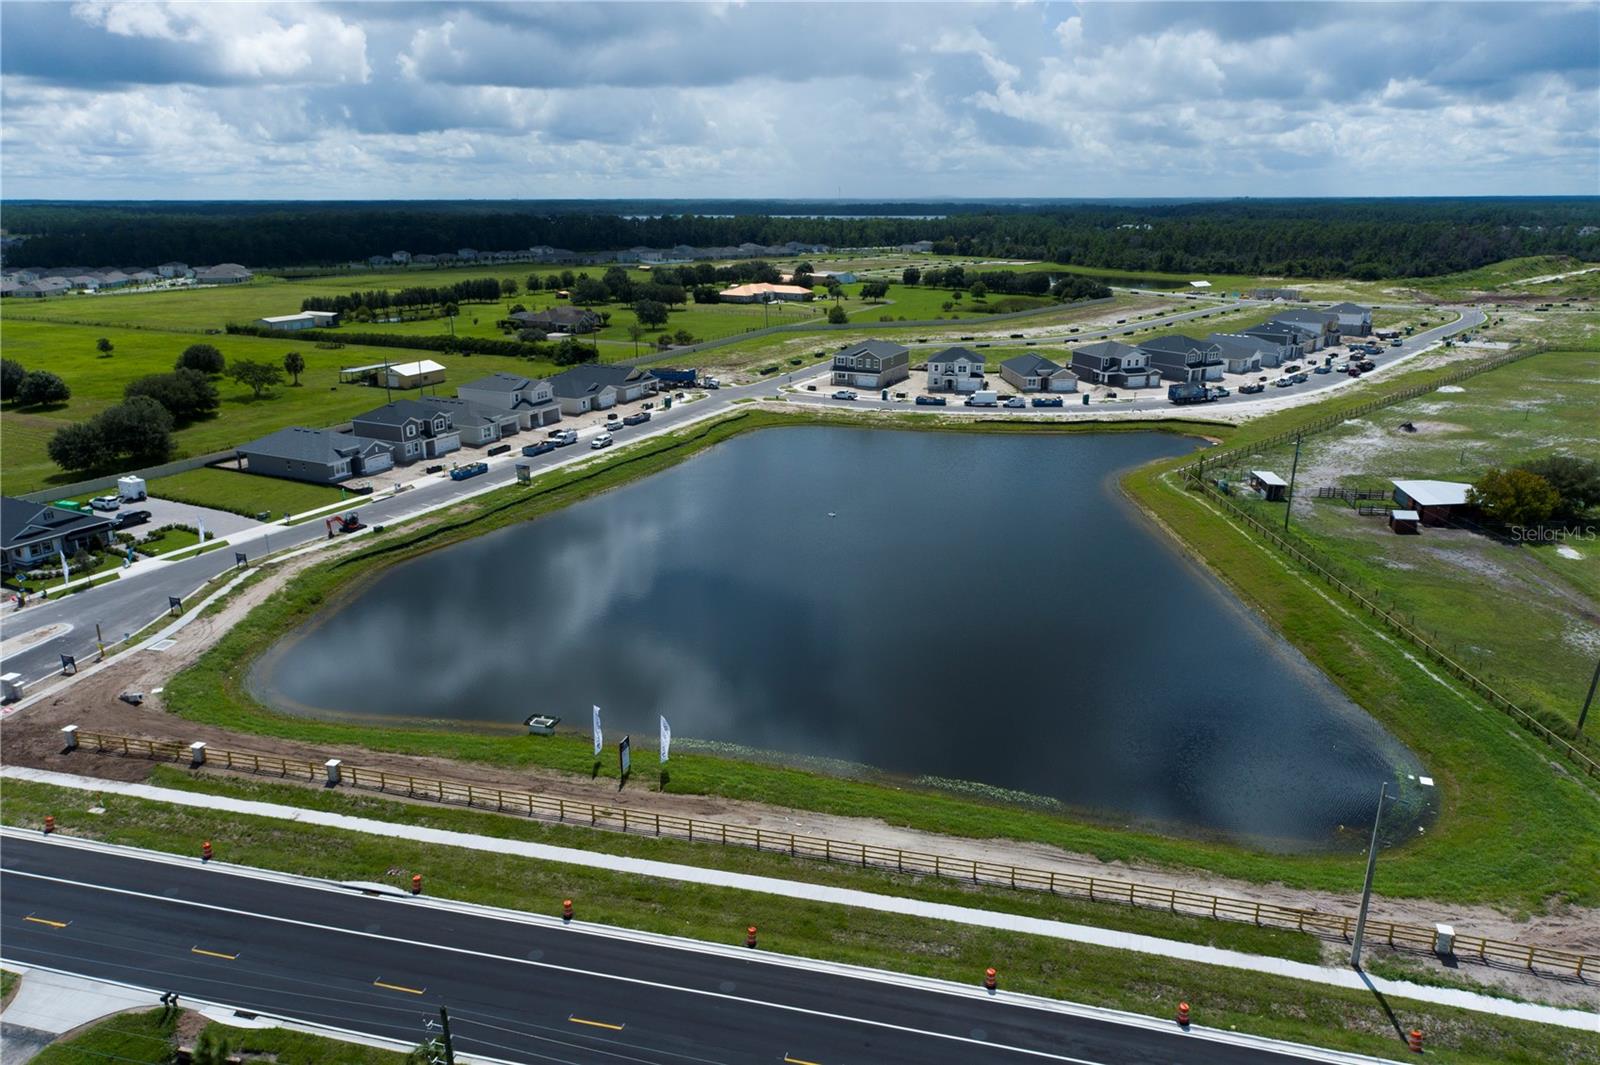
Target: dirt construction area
32, 737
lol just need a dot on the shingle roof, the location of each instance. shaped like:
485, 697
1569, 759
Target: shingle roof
308, 445
1240, 344
397, 413
883, 349
466, 413
1350, 308
581, 381
1104, 348
949, 355
1177, 342
1031, 365
498, 382
26, 523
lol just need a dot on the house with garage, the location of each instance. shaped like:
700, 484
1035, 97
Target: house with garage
1035, 373
871, 364
1183, 358
955, 370
531, 399
1241, 353
1435, 502
1321, 326
223, 274
1354, 319
1113, 363
478, 425
413, 430
37, 534
563, 319
596, 387
1290, 343
320, 456
174, 269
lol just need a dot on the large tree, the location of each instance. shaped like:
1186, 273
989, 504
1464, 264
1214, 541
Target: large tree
203, 357
260, 376
187, 394
1576, 481
294, 364
41, 387
136, 432
650, 313
11, 375
1515, 497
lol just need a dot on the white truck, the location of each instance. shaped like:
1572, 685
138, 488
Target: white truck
983, 399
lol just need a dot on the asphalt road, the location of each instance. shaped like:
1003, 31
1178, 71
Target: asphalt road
129, 604
382, 965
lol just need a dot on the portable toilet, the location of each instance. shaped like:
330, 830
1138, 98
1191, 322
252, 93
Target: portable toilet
130, 489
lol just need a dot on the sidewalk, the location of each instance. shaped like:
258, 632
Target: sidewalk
1583, 1020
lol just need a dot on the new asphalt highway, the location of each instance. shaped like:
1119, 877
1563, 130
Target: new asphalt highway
520, 990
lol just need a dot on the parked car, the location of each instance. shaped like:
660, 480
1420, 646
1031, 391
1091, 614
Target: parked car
1015, 403
1252, 388
603, 440
1395, 343
811, 388
105, 502
638, 418
844, 393
1220, 392
542, 447
564, 437
930, 401
647, 406
1293, 367
1301, 378
129, 518
1048, 401
1323, 369
1283, 382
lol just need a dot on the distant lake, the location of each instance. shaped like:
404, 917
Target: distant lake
979, 608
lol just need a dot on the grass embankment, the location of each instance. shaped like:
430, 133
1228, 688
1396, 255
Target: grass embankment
1542, 830
1250, 1002
8, 983
244, 493
150, 1038
1277, 943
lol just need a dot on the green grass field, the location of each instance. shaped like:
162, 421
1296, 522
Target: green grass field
244, 493
150, 1038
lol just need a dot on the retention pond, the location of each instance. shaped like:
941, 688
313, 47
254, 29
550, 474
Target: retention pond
982, 612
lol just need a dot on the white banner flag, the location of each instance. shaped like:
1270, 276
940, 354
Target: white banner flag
599, 741
66, 571
666, 738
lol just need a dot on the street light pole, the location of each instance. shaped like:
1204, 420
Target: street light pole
1293, 470
1366, 888
1589, 699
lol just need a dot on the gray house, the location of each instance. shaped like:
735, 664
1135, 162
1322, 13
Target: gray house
36, 534
1320, 325
871, 364
1242, 353
412, 429
596, 387
321, 456
533, 400
955, 370
1111, 362
1354, 319
1291, 343
478, 425
1035, 373
1183, 358
558, 320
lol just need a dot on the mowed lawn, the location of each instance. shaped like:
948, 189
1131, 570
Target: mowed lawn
243, 493
97, 383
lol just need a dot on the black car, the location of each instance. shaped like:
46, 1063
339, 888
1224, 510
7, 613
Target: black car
129, 518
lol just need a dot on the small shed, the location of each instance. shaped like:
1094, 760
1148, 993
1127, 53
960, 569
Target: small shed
1270, 485
1405, 521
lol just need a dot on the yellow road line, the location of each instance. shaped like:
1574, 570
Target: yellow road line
41, 920
596, 1024
213, 954
797, 1061
397, 987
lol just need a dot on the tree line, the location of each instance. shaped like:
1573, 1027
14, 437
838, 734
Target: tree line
1300, 238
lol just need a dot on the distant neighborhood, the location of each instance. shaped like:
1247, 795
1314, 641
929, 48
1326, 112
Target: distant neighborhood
60, 280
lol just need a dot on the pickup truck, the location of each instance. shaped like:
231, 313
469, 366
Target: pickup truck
542, 447
638, 418
844, 393
930, 401
471, 469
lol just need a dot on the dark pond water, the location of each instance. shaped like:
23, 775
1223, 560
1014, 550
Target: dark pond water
978, 608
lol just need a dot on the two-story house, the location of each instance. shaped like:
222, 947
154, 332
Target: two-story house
1321, 326
871, 364
320, 456
1291, 343
1035, 373
955, 370
1242, 353
478, 425
1354, 319
1183, 358
1113, 363
532, 399
37, 534
413, 430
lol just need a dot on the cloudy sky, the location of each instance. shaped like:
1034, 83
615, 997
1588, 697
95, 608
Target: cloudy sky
213, 100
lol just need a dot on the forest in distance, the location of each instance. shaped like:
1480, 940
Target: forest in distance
1364, 239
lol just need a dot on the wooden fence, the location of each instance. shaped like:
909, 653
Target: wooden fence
866, 855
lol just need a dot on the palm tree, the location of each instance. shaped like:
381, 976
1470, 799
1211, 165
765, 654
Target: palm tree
635, 331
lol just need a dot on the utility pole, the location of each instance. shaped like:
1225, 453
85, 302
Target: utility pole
1366, 888
1288, 505
1588, 699
449, 1047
